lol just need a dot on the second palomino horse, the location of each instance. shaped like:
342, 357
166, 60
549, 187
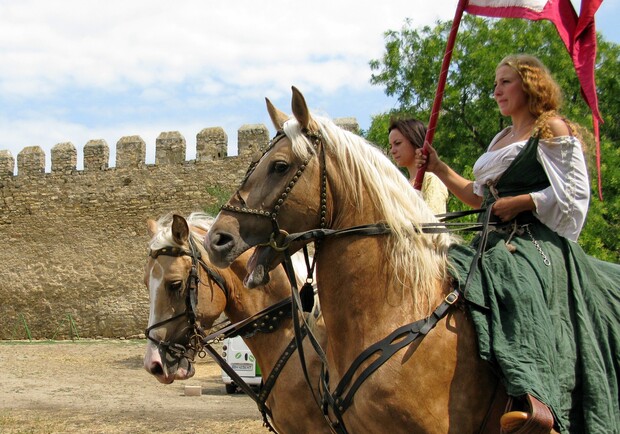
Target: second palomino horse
178, 265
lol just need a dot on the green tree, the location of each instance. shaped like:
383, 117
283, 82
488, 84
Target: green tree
409, 71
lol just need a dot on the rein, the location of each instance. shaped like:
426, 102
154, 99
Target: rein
265, 321
235, 329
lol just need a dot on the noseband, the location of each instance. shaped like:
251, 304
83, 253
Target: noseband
191, 300
279, 235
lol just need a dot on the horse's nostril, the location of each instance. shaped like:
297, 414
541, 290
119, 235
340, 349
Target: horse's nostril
156, 369
221, 240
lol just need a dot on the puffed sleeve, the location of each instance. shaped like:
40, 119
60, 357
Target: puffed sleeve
564, 204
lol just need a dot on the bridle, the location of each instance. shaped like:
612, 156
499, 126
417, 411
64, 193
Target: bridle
278, 235
196, 332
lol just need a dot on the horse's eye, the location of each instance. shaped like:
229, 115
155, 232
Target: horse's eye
280, 167
174, 286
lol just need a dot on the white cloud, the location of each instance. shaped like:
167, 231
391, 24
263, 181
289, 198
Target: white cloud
76, 43
75, 70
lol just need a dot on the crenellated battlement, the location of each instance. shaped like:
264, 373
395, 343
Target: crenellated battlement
170, 148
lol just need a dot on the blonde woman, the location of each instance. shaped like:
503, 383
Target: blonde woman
547, 315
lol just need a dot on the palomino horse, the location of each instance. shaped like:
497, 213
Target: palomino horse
317, 176
169, 351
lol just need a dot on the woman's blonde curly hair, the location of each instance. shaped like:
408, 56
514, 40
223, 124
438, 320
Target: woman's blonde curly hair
543, 93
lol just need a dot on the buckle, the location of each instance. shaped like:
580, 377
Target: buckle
452, 297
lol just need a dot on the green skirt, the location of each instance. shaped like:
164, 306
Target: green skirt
548, 318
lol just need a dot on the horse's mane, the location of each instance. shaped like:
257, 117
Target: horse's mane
417, 260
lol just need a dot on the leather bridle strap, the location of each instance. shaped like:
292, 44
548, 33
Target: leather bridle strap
253, 325
387, 347
277, 368
378, 229
259, 322
240, 383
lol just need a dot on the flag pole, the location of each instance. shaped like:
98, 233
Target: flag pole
441, 85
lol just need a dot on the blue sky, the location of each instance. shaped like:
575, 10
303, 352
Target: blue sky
76, 70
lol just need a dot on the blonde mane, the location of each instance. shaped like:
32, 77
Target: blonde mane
417, 260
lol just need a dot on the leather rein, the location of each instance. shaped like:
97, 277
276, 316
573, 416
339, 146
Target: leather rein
200, 343
340, 399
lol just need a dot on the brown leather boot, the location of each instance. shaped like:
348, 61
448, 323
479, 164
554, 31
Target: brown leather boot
538, 420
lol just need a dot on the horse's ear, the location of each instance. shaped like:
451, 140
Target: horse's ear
301, 112
277, 117
151, 227
300, 108
180, 229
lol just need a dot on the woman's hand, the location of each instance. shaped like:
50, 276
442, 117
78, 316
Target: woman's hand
507, 208
431, 160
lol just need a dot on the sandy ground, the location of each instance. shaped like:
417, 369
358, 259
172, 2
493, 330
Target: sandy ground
100, 386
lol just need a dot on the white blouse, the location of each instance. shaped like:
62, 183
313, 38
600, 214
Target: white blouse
564, 204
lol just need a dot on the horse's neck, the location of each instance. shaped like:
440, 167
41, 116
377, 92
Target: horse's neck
359, 296
347, 216
266, 347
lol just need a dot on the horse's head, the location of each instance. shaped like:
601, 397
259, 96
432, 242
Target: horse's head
282, 192
180, 300
315, 175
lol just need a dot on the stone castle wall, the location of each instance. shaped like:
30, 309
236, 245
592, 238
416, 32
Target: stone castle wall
75, 241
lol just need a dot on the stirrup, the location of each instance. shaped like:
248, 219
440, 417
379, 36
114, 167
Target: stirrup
538, 421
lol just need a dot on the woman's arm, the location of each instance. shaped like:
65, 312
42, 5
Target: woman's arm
563, 206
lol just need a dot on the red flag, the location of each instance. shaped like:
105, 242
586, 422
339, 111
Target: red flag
559, 12
441, 84
583, 53
577, 32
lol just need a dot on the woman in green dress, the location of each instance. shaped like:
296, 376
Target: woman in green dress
547, 314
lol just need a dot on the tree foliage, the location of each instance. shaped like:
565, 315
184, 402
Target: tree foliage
409, 71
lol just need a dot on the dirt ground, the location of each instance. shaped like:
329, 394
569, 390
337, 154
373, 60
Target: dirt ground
100, 386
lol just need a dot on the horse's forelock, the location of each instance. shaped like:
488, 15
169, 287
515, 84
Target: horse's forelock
300, 144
